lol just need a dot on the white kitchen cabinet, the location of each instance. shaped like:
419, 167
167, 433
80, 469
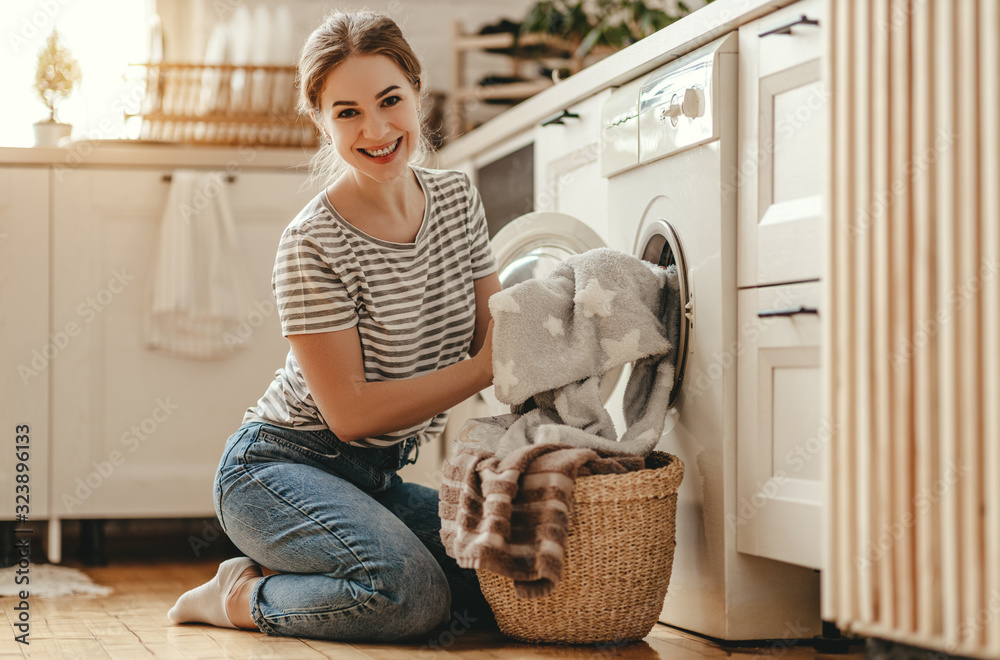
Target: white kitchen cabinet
137, 432
568, 165
781, 431
784, 105
30, 344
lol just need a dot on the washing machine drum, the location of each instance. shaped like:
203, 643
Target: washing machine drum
532, 246
659, 244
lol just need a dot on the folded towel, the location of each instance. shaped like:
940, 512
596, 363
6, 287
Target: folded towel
511, 515
199, 292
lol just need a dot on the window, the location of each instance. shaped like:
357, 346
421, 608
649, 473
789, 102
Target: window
104, 37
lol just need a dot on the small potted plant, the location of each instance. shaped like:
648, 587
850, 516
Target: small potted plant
57, 76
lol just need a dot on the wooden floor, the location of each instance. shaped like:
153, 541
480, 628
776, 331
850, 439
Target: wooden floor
132, 623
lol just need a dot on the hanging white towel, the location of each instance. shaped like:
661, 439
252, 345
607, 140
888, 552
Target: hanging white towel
199, 292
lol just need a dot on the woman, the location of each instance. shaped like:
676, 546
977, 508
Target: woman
382, 284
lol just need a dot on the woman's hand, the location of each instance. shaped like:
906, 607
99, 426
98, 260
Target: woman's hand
482, 343
485, 356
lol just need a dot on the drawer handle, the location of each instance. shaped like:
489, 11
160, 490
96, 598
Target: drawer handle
791, 311
558, 119
787, 28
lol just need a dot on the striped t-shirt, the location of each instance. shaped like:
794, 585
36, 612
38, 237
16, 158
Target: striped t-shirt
413, 303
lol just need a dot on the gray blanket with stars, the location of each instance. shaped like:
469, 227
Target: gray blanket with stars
553, 340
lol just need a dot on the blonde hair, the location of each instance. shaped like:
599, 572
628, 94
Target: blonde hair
339, 37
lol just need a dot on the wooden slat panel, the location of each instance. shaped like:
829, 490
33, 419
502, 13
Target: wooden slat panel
925, 349
883, 520
968, 285
989, 127
863, 313
919, 83
945, 209
901, 349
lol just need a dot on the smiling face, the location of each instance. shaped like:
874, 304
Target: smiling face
370, 110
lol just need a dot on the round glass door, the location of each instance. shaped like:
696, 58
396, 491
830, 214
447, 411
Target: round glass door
659, 244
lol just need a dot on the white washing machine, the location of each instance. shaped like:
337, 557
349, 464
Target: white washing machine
668, 149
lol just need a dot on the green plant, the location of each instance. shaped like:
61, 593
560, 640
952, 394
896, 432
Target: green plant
57, 75
588, 24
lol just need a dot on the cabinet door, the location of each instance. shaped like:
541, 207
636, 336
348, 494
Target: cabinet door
781, 436
783, 127
568, 166
138, 432
30, 344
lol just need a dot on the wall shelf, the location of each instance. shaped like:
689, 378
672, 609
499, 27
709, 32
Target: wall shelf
534, 49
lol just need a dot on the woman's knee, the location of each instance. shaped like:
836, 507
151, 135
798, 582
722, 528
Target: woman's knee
414, 603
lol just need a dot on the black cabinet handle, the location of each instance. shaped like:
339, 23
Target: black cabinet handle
558, 119
787, 27
791, 311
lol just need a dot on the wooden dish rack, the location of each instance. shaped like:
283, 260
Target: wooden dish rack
222, 104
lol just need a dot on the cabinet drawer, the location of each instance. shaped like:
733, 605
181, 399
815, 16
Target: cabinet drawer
788, 316
791, 42
572, 133
784, 106
568, 166
781, 435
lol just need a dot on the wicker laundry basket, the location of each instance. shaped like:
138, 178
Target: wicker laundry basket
616, 566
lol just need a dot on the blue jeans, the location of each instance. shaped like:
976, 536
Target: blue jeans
358, 550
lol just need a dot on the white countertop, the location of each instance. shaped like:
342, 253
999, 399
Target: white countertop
112, 153
694, 30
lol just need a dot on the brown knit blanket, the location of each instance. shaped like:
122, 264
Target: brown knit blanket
511, 515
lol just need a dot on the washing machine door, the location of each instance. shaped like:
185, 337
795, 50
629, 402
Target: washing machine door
530, 247
659, 243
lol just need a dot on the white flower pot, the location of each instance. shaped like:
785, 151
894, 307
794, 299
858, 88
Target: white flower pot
48, 133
